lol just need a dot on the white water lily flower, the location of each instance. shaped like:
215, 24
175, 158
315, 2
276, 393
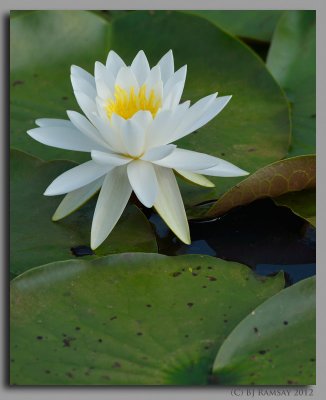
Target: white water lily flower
133, 114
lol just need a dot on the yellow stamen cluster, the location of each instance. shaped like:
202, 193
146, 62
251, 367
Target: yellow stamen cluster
127, 104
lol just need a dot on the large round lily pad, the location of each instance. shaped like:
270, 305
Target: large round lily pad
252, 131
128, 319
249, 24
275, 344
292, 60
36, 240
43, 46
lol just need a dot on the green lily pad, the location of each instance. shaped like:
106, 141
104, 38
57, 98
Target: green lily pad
301, 203
251, 132
292, 60
43, 46
253, 24
18, 13
275, 344
36, 240
128, 319
289, 175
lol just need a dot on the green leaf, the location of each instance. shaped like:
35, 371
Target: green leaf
43, 46
18, 13
289, 175
36, 240
301, 203
252, 131
292, 60
128, 319
253, 24
275, 344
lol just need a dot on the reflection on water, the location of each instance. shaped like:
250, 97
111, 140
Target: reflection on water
261, 235
293, 273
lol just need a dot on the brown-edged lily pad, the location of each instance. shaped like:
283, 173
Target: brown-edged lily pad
289, 175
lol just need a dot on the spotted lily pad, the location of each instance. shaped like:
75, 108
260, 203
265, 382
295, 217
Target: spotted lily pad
275, 344
36, 240
289, 175
128, 319
253, 24
251, 132
292, 60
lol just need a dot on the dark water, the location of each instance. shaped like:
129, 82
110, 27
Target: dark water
261, 235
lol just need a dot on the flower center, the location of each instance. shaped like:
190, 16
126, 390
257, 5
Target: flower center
127, 104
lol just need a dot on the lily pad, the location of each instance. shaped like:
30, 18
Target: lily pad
275, 344
253, 24
36, 240
292, 60
43, 46
301, 203
289, 175
128, 319
251, 132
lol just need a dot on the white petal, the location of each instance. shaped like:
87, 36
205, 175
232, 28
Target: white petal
75, 199
43, 122
178, 77
169, 204
187, 160
215, 108
153, 79
166, 64
195, 178
140, 67
101, 109
103, 90
110, 159
159, 128
87, 104
126, 79
114, 63
173, 99
109, 134
82, 123
142, 118
76, 177
183, 106
81, 85
159, 152
104, 81
143, 181
198, 116
82, 74
157, 89
133, 136
194, 113
223, 168
68, 138
165, 124
111, 202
